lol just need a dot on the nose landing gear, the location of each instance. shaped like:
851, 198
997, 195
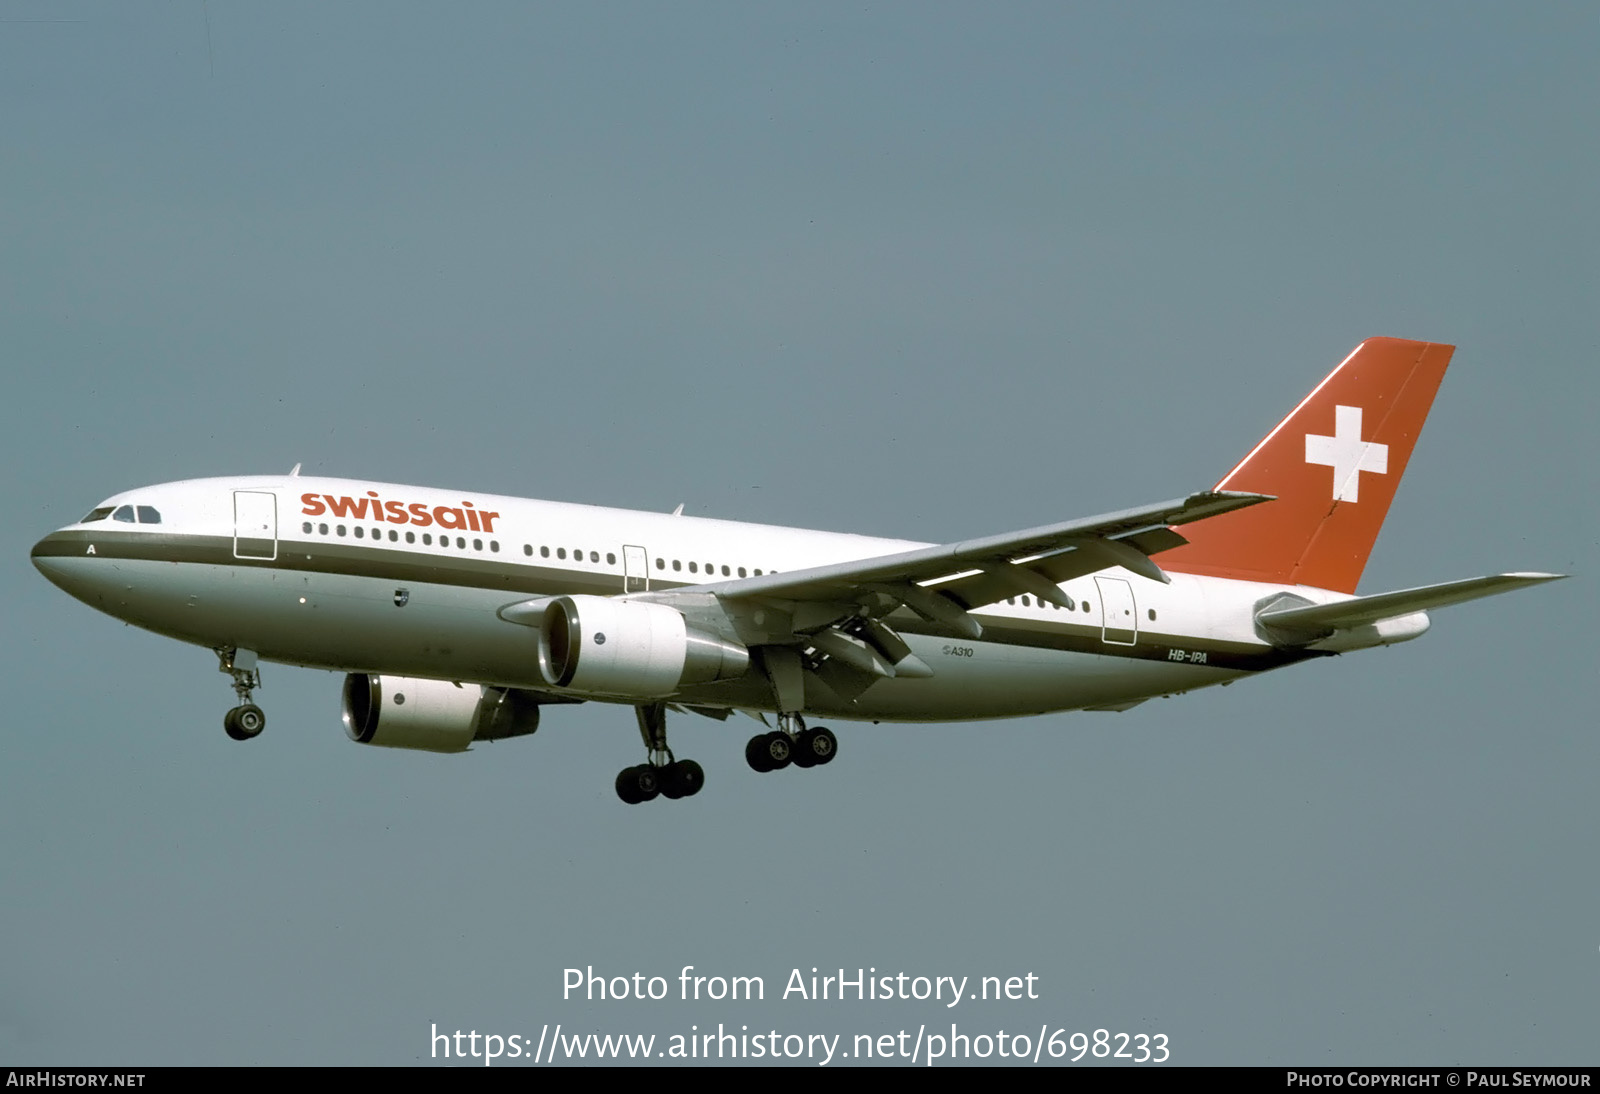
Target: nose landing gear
245, 720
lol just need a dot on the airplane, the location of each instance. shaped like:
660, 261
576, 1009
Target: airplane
458, 616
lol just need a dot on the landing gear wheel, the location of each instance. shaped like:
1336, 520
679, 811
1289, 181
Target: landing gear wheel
776, 750
815, 747
682, 779
819, 744
638, 784
755, 753
244, 722
250, 719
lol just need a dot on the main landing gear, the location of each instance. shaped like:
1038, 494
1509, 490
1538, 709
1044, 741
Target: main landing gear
791, 743
664, 775
245, 720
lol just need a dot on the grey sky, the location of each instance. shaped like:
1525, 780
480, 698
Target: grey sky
915, 270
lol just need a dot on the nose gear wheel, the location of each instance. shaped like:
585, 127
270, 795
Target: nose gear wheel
246, 720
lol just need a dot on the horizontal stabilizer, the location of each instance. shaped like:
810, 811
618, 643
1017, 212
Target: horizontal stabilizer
1319, 619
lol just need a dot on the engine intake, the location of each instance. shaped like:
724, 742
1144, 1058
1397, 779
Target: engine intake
631, 648
432, 715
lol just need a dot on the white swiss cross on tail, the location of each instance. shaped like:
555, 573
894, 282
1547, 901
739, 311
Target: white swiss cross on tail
1347, 453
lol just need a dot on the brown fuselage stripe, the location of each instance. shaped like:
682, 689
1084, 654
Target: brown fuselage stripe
532, 578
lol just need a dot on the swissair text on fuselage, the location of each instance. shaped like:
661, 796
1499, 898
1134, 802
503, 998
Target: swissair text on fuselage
372, 507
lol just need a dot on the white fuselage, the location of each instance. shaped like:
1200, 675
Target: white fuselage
380, 578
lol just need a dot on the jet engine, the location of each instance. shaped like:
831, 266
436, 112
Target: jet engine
601, 646
433, 715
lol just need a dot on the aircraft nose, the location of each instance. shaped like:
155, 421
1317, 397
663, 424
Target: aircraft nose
55, 558
42, 553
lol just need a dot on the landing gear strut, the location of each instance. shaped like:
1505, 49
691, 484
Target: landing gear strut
790, 743
245, 720
664, 774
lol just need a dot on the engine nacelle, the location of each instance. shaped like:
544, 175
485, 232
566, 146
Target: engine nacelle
600, 646
432, 715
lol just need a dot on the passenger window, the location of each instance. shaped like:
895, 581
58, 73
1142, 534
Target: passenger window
411, 537
693, 569
676, 565
124, 513
322, 529
611, 559
544, 552
741, 571
594, 556
477, 545
758, 573
306, 527
360, 532
726, 571
341, 529
427, 539
1026, 603
461, 542
561, 552
494, 545
661, 564
394, 537
148, 514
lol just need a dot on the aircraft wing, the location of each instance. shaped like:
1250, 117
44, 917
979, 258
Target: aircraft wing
942, 583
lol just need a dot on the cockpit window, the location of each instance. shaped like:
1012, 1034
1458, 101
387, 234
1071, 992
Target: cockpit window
127, 514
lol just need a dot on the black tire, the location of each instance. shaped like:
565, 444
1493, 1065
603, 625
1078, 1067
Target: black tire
755, 753
668, 778
646, 781
801, 754
824, 745
230, 724
777, 750
625, 787
689, 777
250, 719
637, 784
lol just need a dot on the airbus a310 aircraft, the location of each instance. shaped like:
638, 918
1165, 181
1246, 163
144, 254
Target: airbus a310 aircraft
457, 616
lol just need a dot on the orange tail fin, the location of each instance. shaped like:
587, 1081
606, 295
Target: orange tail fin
1334, 464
